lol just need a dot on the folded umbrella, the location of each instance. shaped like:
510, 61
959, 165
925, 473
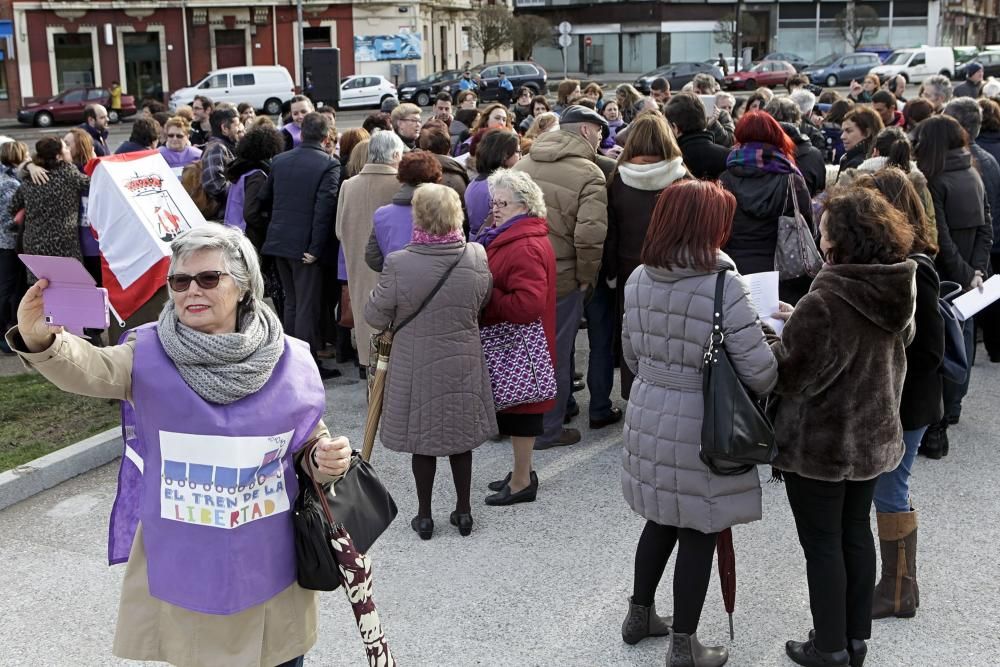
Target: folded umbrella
727, 573
381, 347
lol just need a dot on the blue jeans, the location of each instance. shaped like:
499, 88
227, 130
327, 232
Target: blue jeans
954, 393
600, 313
892, 491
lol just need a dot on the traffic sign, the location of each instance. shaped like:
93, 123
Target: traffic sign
565, 28
588, 40
565, 41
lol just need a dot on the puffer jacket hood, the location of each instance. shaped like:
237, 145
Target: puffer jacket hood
760, 193
554, 146
957, 159
874, 291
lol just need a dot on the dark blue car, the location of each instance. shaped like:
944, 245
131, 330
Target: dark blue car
841, 69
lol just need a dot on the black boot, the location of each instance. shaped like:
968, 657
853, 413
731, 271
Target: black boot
857, 649
806, 654
687, 651
643, 622
935, 442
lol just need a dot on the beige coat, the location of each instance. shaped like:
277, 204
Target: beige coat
438, 399
360, 197
276, 631
564, 166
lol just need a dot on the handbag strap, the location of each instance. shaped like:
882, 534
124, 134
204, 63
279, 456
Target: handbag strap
395, 329
794, 194
716, 337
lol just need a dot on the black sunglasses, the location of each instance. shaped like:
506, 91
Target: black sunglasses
180, 282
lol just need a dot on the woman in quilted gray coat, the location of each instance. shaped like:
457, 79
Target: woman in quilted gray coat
438, 400
668, 320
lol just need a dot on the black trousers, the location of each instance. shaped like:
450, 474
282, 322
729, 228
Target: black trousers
692, 570
988, 320
303, 285
13, 283
832, 520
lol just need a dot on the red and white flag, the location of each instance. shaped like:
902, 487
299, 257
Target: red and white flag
137, 206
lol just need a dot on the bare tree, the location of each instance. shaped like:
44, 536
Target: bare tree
528, 30
725, 29
857, 23
492, 30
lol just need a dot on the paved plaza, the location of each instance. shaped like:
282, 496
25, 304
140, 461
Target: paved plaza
543, 583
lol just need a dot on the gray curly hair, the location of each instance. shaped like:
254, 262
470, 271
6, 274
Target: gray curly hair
239, 258
524, 189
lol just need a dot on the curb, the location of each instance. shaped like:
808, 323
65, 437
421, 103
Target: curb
43, 473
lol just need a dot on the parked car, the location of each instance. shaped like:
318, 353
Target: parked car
677, 75
520, 73
732, 64
768, 73
840, 69
364, 90
267, 88
68, 106
423, 91
918, 63
990, 60
881, 50
797, 61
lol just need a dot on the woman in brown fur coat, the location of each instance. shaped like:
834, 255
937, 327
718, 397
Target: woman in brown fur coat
841, 364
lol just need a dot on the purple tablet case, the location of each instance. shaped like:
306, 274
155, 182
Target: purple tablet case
72, 300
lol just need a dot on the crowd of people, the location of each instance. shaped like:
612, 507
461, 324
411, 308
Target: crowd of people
616, 213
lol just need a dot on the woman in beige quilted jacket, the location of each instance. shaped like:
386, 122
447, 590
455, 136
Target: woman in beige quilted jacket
438, 400
668, 320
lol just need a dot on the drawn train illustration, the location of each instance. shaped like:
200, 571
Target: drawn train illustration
233, 480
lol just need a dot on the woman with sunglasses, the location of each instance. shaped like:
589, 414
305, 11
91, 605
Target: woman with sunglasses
221, 356
178, 151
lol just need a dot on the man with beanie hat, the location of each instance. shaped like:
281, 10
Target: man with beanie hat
563, 164
973, 84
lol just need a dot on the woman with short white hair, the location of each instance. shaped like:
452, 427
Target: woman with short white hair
523, 265
438, 400
200, 390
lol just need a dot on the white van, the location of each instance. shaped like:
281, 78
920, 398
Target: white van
265, 87
918, 63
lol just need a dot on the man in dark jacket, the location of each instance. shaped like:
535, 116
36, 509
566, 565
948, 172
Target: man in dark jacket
809, 159
145, 135
686, 115
973, 84
95, 123
302, 193
218, 154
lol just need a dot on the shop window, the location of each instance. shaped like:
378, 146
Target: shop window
74, 58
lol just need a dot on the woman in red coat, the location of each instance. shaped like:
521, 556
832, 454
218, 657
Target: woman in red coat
524, 289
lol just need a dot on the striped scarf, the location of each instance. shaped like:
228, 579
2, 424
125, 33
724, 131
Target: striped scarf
765, 157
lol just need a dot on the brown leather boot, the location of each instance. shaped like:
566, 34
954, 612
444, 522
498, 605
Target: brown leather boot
896, 592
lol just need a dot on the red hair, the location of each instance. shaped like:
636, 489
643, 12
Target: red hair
691, 221
760, 127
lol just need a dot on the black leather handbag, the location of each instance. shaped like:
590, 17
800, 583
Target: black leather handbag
359, 501
736, 434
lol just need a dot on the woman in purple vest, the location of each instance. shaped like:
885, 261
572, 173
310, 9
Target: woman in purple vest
178, 152
209, 467
392, 224
298, 108
438, 400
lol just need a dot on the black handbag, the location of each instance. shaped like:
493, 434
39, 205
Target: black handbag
358, 501
736, 434
955, 364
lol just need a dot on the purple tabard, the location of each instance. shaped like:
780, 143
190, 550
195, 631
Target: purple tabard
295, 132
217, 481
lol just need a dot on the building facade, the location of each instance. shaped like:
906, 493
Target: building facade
155, 46
645, 34
971, 21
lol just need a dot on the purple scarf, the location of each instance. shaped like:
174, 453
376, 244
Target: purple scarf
421, 237
766, 157
487, 235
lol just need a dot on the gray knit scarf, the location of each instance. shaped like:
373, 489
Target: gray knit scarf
223, 368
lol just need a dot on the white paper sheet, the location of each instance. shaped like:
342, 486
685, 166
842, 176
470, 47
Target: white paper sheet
973, 301
764, 294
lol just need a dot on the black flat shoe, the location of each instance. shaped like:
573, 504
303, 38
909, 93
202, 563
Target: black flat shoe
463, 521
578, 385
613, 418
506, 497
807, 655
423, 526
500, 483
856, 648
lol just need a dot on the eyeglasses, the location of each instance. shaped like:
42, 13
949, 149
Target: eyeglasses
498, 203
176, 136
180, 282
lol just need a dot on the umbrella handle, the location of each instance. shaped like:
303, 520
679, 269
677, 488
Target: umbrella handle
730, 627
